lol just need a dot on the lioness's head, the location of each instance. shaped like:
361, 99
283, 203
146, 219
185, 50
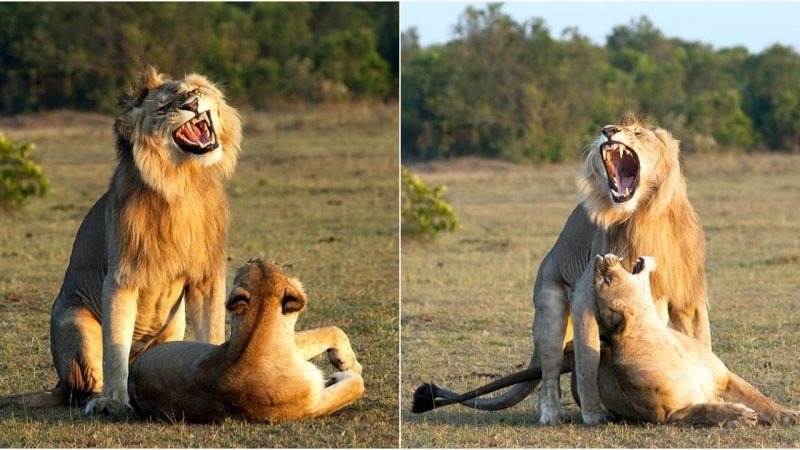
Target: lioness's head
620, 294
262, 292
175, 126
630, 166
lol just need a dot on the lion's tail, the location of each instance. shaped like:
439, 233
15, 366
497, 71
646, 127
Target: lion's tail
429, 396
33, 399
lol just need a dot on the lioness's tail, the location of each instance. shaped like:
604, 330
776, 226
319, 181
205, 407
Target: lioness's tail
33, 399
429, 396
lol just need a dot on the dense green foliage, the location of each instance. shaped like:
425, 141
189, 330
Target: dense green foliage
80, 55
424, 211
510, 90
20, 177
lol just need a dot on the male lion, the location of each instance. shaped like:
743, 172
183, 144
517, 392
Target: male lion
648, 371
261, 373
156, 239
633, 202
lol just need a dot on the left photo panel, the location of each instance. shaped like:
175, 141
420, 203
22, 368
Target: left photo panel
199, 232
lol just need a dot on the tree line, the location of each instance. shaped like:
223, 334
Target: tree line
81, 55
510, 90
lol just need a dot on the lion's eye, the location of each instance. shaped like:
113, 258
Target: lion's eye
194, 92
607, 280
163, 109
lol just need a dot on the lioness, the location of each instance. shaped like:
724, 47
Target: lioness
648, 371
633, 202
262, 372
155, 240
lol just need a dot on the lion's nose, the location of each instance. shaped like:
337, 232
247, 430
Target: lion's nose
610, 130
191, 105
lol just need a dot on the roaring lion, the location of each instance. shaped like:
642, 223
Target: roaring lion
633, 202
152, 246
648, 371
261, 373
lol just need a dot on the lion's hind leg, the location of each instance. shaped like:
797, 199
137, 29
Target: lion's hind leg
731, 415
769, 412
342, 388
76, 343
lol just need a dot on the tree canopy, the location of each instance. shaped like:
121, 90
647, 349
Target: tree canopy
80, 55
508, 89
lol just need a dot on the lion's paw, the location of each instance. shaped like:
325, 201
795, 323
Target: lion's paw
108, 406
554, 416
596, 417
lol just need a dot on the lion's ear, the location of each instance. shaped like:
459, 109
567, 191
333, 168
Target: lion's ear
151, 79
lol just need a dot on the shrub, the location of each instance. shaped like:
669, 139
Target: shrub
20, 176
424, 212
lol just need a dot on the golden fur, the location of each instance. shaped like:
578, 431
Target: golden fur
152, 246
656, 219
261, 373
648, 372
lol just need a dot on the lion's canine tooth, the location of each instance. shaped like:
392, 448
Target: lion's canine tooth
620, 150
627, 191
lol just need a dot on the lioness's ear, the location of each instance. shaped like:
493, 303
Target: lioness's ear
613, 319
294, 299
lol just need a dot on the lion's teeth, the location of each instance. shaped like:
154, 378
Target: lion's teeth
620, 150
627, 191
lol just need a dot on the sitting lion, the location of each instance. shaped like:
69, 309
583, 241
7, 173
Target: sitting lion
648, 371
262, 372
633, 202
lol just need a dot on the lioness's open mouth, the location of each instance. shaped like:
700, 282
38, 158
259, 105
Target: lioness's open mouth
196, 135
622, 169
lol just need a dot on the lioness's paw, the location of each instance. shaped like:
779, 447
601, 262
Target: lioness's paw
106, 405
745, 417
785, 417
596, 417
344, 362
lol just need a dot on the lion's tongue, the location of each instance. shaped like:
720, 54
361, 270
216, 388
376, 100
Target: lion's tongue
625, 174
196, 133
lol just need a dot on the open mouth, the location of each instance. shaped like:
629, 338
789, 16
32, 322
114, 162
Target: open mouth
196, 135
622, 169
639, 266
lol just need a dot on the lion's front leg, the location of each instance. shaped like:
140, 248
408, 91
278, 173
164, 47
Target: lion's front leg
587, 350
332, 340
205, 306
119, 319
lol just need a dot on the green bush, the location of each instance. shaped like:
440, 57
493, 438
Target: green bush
20, 176
425, 213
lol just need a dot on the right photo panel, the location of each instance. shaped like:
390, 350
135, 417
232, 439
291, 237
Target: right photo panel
600, 225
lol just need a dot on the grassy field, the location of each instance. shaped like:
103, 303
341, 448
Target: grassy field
467, 313
316, 189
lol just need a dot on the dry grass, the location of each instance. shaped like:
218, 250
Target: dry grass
314, 188
467, 313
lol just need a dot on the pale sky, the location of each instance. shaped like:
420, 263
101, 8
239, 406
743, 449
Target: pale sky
721, 24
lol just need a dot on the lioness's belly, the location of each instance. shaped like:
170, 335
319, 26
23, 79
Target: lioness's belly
649, 380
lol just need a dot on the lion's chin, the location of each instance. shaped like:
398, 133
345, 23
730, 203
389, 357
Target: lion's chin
196, 135
622, 170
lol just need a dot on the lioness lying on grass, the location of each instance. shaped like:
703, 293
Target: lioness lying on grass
648, 371
262, 372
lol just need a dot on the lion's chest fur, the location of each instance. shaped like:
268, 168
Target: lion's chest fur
161, 241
